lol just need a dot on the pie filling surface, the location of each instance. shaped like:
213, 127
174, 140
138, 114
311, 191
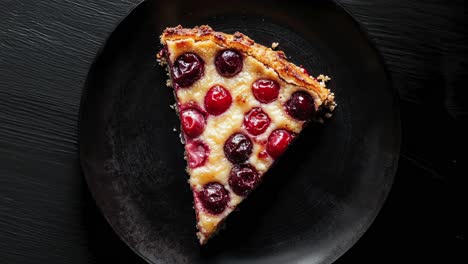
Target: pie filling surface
240, 105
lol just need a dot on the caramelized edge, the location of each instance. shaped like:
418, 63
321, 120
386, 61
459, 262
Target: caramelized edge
276, 60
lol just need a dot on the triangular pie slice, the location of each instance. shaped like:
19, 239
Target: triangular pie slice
240, 105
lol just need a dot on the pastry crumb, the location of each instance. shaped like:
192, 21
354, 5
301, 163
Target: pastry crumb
160, 58
330, 102
322, 79
274, 45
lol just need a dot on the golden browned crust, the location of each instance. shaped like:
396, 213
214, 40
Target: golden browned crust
274, 59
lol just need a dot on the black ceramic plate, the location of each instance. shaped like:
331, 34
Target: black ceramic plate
318, 200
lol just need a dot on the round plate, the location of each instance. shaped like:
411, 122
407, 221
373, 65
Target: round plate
319, 199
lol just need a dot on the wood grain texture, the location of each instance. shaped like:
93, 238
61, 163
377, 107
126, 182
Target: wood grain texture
423, 44
46, 47
46, 215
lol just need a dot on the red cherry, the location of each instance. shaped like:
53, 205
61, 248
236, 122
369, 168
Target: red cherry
278, 142
187, 69
197, 153
300, 105
193, 122
217, 100
263, 154
256, 121
228, 63
243, 178
265, 90
214, 197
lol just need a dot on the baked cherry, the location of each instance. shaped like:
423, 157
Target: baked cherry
228, 63
193, 122
238, 148
262, 154
265, 90
256, 121
278, 142
214, 197
300, 105
217, 100
243, 178
187, 69
197, 152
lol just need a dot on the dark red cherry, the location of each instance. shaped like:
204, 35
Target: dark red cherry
193, 122
214, 197
265, 90
187, 69
243, 178
197, 152
300, 105
238, 148
217, 100
228, 63
278, 142
256, 121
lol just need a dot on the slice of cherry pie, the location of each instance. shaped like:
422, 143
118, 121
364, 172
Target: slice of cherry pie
240, 104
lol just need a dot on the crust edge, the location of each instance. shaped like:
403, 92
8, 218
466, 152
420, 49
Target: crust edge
273, 59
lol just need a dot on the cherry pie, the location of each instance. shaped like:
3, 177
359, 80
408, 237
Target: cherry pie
240, 104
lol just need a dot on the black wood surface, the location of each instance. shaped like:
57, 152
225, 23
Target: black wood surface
47, 215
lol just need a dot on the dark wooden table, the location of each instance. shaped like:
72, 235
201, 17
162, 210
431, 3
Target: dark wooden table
48, 216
